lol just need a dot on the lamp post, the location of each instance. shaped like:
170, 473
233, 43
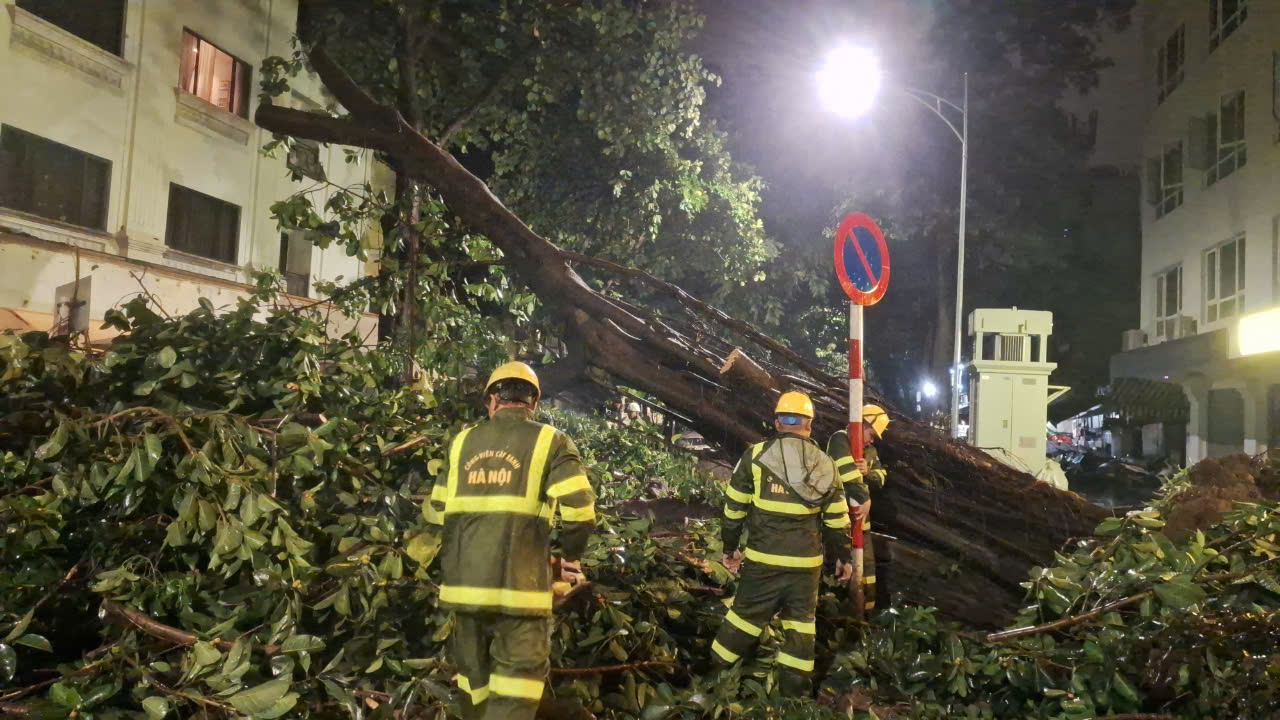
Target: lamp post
848, 83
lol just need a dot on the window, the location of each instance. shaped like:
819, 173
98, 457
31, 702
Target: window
1168, 301
202, 225
1170, 60
1226, 131
295, 263
214, 76
1224, 17
1224, 280
100, 22
1170, 195
53, 180
304, 161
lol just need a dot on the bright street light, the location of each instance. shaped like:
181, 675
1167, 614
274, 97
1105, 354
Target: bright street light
849, 81
929, 389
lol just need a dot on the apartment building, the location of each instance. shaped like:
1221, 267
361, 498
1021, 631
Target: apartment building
129, 162
1210, 309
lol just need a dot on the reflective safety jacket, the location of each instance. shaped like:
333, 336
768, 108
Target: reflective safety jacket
782, 530
856, 487
506, 479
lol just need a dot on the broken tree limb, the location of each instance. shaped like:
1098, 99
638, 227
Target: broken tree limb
958, 518
117, 614
614, 669
742, 371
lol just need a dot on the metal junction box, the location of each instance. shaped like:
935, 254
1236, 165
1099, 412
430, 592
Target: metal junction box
1009, 383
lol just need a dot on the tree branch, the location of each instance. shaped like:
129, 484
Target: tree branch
713, 313
614, 669
118, 614
1070, 620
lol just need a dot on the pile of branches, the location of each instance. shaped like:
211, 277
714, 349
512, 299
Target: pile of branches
221, 516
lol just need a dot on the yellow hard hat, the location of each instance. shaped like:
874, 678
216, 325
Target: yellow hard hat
794, 403
513, 371
876, 417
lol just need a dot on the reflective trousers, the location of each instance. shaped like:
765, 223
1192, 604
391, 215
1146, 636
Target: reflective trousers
503, 662
766, 591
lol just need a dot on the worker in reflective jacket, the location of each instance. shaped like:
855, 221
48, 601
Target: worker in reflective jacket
786, 493
859, 476
506, 479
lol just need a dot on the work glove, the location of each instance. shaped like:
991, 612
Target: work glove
732, 563
844, 571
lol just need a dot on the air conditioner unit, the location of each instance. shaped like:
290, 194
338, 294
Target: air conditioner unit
1132, 340
1184, 327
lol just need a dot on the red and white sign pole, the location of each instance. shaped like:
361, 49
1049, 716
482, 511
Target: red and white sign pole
855, 443
862, 266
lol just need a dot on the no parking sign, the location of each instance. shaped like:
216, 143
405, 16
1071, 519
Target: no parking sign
861, 259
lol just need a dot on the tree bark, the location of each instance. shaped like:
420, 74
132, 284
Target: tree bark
964, 529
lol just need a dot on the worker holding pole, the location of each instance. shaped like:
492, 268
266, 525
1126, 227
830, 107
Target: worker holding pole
860, 475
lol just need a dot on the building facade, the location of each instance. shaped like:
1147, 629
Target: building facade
129, 162
1210, 309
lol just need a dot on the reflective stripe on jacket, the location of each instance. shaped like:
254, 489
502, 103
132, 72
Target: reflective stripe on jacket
506, 480
782, 531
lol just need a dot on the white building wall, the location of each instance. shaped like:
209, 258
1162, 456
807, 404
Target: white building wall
129, 111
1245, 202
1248, 199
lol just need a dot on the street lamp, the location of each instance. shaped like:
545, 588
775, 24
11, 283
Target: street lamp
848, 83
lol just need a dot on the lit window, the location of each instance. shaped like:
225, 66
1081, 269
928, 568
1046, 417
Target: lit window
52, 180
1224, 17
1224, 280
214, 76
1226, 132
1170, 60
1168, 302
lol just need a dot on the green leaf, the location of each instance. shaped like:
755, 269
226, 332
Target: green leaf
281, 706
1124, 689
422, 548
8, 662
1180, 594
260, 700
154, 449
297, 643
205, 654
64, 695
54, 444
157, 707
34, 641
166, 357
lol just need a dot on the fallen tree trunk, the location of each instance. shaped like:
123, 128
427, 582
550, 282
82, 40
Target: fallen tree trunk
960, 528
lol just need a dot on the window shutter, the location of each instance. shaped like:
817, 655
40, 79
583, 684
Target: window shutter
1153, 181
1203, 142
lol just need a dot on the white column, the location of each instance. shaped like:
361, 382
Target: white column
1197, 390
